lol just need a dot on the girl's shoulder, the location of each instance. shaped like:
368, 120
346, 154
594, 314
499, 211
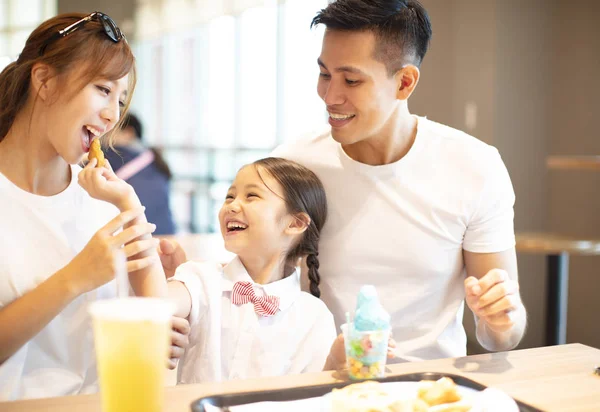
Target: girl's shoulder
200, 278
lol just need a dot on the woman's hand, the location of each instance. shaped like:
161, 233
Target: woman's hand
101, 183
99, 260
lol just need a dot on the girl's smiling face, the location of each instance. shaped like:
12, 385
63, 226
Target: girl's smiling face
254, 216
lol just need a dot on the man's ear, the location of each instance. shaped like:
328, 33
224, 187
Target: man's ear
298, 224
43, 81
407, 79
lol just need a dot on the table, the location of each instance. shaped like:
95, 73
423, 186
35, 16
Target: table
573, 162
557, 249
556, 378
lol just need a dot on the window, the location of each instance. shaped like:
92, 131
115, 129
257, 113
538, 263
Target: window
18, 18
225, 93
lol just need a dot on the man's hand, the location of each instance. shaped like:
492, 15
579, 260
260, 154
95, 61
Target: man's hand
494, 299
171, 256
180, 331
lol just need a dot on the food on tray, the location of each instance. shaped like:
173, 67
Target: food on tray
441, 391
372, 396
367, 337
96, 153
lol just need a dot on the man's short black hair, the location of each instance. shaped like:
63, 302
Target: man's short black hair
402, 27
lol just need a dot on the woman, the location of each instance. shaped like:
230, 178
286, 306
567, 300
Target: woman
69, 85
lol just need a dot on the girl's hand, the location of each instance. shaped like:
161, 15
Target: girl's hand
336, 360
337, 354
101, 258
101, 183
391, 353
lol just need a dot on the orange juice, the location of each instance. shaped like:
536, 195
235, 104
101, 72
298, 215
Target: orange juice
132, 344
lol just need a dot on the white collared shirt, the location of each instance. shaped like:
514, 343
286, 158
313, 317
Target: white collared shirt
232, 342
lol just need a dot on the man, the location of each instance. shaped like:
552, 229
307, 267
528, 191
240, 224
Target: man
412, 204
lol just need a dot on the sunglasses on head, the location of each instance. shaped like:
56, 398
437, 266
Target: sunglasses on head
109, 25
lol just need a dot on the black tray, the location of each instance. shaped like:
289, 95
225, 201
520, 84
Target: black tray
304, 392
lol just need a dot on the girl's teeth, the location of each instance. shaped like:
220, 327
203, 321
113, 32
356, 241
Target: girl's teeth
232, 225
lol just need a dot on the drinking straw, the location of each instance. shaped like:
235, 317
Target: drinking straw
121, 277
348, 324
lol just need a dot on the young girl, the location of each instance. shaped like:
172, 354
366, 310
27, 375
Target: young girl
250, 319
57, 253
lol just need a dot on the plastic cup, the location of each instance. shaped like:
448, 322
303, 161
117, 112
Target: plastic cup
366, 352
132, 338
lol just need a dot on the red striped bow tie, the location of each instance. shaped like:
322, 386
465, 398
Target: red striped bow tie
243, 292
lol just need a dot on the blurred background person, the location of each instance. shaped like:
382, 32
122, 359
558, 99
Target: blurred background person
146, 170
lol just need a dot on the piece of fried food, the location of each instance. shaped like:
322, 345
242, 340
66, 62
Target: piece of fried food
371, 396
461, 406
442, 391
96, 153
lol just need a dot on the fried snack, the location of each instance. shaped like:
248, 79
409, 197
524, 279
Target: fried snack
442, 391
371, 396
96, 153
460, 406
419, 405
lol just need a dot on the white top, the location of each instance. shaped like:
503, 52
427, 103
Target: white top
40, 235
232, 342
403, 226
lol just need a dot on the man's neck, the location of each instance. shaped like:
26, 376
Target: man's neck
390, 145
29, 162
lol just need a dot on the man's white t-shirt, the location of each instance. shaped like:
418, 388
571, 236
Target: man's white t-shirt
403, 227
41, 235
229, 341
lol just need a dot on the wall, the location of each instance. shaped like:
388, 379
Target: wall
531, 69
574, 196
120, 11
522, 127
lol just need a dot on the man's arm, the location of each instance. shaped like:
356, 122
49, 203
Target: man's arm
492, 293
